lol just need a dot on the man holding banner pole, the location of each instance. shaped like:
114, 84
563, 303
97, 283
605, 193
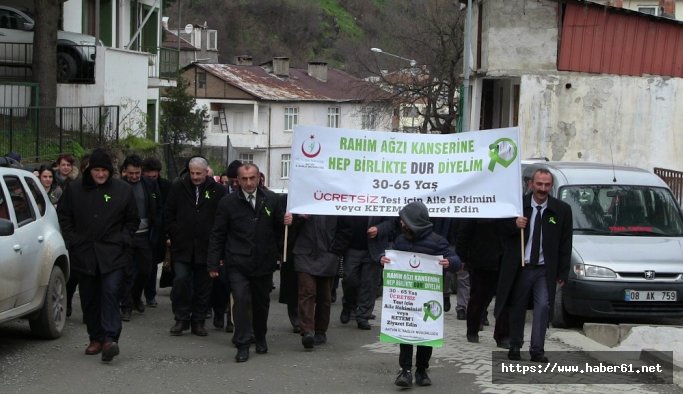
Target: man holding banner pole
547, 229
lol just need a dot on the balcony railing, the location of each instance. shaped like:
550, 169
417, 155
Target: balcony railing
163, 62
75, 63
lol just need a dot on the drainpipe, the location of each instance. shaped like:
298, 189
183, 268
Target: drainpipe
270, 109
466, 69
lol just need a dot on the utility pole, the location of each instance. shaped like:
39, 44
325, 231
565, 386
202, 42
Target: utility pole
466, 69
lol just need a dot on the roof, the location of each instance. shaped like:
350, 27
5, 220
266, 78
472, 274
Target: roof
170, 40
298, 86
603, 39
585, 173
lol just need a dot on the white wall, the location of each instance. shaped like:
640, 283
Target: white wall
633, 120
517, 35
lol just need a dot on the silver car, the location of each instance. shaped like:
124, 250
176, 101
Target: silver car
75, 51
627, 257
34, 262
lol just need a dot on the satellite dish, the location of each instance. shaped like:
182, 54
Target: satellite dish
189, 28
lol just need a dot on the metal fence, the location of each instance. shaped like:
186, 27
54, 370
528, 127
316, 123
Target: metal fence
41, 133
675, 181
75, 63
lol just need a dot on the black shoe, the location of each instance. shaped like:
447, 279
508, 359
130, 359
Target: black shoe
421, 378
209, 314
539, 358
503, 343
229, 327
242, 354
109, 351
372, 317
333, 296
198, 328
152, 303
513, 354
296, 330
320, 338
69, 310
470, 338
461, 315
261, 346
446, 308
125, 314
179, 327
218, 320
139, 306
307, 340
404, 378
363, 325
485, 321
345, 316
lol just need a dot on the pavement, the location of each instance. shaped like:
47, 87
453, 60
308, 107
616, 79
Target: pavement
353, 360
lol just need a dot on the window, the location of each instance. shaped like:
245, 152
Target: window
37, 195
369, 119
410, 111
333, 116
284, 166
216, 121
247, 158
651, 10
23, 209
201, 80
211, 39
291, 118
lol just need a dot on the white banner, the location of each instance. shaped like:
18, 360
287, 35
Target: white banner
412, 302
373, 173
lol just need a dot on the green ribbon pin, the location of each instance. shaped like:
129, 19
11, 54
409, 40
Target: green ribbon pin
107, 197
267, 210
206, 195
552, 220
503, 152
432, 310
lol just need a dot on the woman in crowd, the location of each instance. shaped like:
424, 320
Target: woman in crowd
53, 190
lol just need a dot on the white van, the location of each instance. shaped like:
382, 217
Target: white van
627, 258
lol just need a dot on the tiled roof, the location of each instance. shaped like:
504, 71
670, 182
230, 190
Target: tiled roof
298, 86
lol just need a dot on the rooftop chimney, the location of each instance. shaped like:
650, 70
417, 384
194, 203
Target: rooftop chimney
243, 60
318, 70
281, 66
668, 8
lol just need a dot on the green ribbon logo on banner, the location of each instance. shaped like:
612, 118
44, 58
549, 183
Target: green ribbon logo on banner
432, 310
503, 152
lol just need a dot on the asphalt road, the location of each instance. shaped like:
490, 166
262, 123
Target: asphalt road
152, 361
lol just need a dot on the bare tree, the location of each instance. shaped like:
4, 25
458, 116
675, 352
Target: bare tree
47, 19
433, 36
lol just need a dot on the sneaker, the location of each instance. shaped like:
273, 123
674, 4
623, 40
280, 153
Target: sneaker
404, 378
320, 338
109, 351
308, 340
422, 379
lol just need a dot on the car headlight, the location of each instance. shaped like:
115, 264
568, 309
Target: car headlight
593, 271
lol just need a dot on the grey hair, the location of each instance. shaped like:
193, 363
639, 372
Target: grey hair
198, 161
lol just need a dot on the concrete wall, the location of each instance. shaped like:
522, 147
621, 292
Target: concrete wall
517, 35
584, 117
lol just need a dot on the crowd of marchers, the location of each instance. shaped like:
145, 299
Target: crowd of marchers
221, 238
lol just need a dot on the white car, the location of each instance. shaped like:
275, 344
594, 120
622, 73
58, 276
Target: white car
34, 262
75, 51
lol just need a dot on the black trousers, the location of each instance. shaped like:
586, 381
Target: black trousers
100, 298
483, 285
405, 358
251, 294
191, 291
138, 270
220, 294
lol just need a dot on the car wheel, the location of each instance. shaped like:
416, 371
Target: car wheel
562, 318
49, 322
66, 67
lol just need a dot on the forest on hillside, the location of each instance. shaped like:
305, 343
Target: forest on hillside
339, 32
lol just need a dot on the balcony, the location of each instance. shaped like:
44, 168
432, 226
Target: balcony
163, 64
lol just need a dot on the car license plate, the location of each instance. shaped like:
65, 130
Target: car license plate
650, 295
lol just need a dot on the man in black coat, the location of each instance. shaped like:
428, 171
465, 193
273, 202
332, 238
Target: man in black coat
547, 253
98, 217
245, 236
189, 216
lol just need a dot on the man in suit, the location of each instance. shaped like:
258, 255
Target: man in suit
245, 236
547, 225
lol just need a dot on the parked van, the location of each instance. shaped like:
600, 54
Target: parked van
627, 258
